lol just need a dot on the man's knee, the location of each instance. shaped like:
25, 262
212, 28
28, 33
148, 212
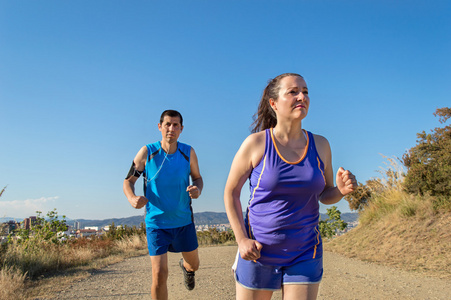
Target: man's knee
159, 276
193, 265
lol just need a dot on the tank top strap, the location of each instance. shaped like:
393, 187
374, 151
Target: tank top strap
268, 140
312, 146
152, 150
184, 150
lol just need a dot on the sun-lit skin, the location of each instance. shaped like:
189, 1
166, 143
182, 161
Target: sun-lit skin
290, 104
170, 131
170, 128
293, 102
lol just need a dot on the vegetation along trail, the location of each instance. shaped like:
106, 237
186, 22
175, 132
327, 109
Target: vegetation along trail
344, 278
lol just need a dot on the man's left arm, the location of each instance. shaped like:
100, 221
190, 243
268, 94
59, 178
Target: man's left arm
196, 188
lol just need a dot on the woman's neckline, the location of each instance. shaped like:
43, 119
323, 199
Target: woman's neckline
281, 156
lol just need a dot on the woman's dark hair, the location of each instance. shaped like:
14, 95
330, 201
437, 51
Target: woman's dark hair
171, 113
266, 117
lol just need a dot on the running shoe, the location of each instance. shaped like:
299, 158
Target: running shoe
189, 276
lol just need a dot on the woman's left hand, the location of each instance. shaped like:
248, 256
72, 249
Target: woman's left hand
346, 181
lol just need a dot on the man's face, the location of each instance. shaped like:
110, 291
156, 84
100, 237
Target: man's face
170, 129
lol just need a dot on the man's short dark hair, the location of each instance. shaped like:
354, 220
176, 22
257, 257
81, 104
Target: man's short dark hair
171, 113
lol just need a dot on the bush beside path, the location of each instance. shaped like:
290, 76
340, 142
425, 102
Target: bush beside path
344, 278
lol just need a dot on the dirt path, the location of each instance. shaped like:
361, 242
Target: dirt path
344, 278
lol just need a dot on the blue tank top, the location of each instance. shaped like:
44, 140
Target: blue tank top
283, 210
166, 178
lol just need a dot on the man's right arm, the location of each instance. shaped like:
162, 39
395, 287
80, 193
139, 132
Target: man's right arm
138, 166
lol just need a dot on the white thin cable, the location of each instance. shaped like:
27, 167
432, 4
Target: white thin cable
165, 157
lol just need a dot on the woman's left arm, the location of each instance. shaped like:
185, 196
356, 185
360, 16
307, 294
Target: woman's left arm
345, 181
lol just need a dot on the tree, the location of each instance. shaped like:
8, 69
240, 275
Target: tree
359, 198
429, 162
391, 179
142, 228
44, 230
329, 227
112, 231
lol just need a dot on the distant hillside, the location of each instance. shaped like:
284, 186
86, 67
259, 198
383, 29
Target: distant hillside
129, 221
347, 217
202, 218
208, 217
6, 219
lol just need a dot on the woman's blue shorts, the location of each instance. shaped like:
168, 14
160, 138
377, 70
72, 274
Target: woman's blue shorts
255, 276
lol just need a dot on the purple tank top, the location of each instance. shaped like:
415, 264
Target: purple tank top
283, 209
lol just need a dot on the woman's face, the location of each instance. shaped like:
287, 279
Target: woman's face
293, 101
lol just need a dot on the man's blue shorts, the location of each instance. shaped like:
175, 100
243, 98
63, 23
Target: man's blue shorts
180, 239
256, 276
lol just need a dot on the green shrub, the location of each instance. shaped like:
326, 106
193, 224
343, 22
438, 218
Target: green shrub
329, 227
123, 231
215, 237
429, 162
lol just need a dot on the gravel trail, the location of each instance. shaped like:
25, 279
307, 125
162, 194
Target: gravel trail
344, 278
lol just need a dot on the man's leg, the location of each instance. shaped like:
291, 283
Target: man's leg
189, 264
159, 276
191, 260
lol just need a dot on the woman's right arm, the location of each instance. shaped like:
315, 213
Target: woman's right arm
247, 157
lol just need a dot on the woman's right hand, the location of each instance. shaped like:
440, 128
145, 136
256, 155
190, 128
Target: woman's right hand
249, 249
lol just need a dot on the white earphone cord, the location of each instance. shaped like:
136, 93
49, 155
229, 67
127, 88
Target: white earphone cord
165, 157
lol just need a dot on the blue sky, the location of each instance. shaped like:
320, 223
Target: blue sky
83, 83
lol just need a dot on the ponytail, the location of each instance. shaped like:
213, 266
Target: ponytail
265, 117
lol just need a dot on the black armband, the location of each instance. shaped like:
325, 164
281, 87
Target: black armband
133, 172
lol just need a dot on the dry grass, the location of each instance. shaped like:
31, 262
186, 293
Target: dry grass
54, 267
47, 257
134, 242
400, 229
414, 244
44, 270
12, 284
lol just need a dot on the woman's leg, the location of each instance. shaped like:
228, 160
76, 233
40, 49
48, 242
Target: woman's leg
300, 291
243, 293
